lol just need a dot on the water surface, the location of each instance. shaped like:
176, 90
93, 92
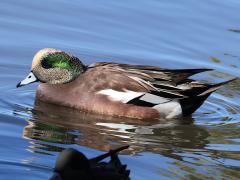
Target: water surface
179, 34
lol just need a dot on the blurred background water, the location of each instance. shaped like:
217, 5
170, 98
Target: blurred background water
171, 34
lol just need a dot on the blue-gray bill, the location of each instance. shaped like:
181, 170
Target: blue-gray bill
31, 78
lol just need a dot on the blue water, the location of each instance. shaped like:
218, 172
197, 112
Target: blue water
171, 34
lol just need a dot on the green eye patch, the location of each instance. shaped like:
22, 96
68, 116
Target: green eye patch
57, 60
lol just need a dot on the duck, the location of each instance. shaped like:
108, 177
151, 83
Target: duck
114, 89
73, 164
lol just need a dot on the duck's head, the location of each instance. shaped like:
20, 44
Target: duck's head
53, 66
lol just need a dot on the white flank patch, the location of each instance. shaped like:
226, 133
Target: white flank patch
170, 109
123, 96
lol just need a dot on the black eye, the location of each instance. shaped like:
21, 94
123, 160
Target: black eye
46, 63
29, 76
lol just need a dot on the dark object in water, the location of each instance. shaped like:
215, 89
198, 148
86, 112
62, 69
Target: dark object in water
74, 165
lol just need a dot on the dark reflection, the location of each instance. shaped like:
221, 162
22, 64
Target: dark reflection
73, 164
53, 123
234, 30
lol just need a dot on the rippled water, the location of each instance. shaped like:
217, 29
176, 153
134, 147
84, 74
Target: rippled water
179, 34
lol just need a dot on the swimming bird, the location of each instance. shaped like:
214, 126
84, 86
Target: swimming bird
74, 165
135, 91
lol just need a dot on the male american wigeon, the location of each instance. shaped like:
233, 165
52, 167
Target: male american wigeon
136, 91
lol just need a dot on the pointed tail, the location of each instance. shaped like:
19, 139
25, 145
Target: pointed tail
214, 87
192, 103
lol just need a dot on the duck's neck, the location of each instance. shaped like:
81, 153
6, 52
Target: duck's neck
79, 68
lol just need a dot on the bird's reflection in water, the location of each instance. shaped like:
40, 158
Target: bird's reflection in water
57, 124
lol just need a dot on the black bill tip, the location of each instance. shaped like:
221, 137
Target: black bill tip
19, 85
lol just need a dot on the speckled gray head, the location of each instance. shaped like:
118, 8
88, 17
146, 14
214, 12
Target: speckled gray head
53, 66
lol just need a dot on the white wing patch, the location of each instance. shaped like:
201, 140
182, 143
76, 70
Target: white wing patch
151, 98
122, 96
170, 108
